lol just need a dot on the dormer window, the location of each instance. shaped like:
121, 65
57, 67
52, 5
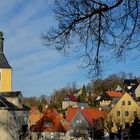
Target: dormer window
47, 124
78, 121
66, 99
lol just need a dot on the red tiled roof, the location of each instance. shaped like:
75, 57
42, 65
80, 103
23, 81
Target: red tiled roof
72, 98
90, 114
51, 115
114, 93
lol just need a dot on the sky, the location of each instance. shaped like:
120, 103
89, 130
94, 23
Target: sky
38, 70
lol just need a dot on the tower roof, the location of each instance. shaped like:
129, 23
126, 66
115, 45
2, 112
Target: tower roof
3, 61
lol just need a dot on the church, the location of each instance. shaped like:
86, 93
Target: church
14, 120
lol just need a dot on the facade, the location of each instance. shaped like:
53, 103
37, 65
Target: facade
8, 120
130, 85
78, 127
108, 99
103, 100
14, 114
118, 88
137, 93
5, 70
81, 121
69, 101
122, 114
50, 126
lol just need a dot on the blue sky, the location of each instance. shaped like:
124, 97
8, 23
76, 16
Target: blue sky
36, 69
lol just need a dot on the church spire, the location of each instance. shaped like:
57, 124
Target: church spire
1, 42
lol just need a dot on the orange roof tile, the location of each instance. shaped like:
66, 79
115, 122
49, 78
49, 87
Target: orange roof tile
52, 116
90, 114
35, 115
114, 93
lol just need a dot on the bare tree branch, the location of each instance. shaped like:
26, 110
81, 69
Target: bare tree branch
97, 28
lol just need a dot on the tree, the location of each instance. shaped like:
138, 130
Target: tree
95, 29
30, 101
42, 103
98, 131
134, 129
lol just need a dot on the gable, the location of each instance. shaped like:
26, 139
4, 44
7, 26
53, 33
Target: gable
126, 97
78, 120
50, 122
125, 104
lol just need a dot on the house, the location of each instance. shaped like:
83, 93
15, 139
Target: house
103, 100
137, 93
114, 94
80, 122
118, 88
35, 115
80, 105
8, 120
17, 111
78, 93
69, 100
5, 69
122, 114
108, 99
50, 126
130, 85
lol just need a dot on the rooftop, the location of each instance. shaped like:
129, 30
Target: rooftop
4, 104
3, 61
114, 94
11, 94
90, 114
51, 121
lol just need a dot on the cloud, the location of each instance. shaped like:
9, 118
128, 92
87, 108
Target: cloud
36, 69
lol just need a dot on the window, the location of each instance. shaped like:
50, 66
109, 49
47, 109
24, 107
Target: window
129, 102
126, 113
118, 113
48, 124
78, 121
123, 102
135, 113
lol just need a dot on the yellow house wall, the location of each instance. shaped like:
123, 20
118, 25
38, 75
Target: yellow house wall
6, 80
122, 119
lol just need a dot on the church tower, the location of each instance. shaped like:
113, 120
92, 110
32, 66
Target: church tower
5, 70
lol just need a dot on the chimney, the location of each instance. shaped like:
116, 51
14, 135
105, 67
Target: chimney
1, 42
